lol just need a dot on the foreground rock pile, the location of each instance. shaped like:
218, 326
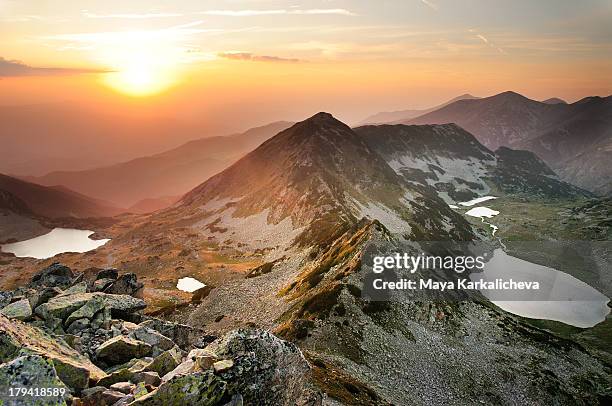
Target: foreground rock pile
90, 342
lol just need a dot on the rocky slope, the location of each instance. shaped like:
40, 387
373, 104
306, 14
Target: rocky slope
453, 162
574, 139
88, 340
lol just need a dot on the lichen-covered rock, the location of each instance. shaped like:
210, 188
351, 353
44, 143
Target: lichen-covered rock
32, 371
38, 297
184, 336
184, 368
73, 368
197, 389
126, 284
64, 305
147, 377
80, 287
121, 349
88, 310
121, 375
139, 390
108, 273
123, 387
165, 362
54, 275
101, 284
152, 337
266, 370
19, 310
78, 326
60, 307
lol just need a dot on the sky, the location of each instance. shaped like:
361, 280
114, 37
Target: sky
239, 63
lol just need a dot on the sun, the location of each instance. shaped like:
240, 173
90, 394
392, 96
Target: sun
141, 76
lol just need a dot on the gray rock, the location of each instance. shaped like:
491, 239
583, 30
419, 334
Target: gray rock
235, 401
184, 336
108, 273
121, 349
123, 387
197, 389
111, 397
147, 377
101, 284
122, 375
19, 310
80, 287
266, 370
165, 362
126, 284
54, 275
88, 310
32, 371
223, 365
39, 297
152, 337
93, 396
77, 326
184, 368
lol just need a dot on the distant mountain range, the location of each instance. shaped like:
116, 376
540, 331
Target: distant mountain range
25, 207
171, 173
388, 117
54, 202
574, 139
316, 179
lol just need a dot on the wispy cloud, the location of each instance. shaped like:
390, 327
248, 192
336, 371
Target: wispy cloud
486, 41
170, 33
13, 68
431, 5
248, 13
134, 16
247, 56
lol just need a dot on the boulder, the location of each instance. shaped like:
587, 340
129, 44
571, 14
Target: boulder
184, 368
77, 326
88, 310
121, 349
110, 397
101, 284
152, 337
108, 273
64, 305
264, 368
19, 310
73, 368
92, 396
121, 375
147, 377
184, 336
165, 362
123, 387
126, 284
54, 275
223, 365
38, 297
197, 389
32, 371
139, 390
80, 287
60, 307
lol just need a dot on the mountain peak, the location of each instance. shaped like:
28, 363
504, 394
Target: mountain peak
509, 94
